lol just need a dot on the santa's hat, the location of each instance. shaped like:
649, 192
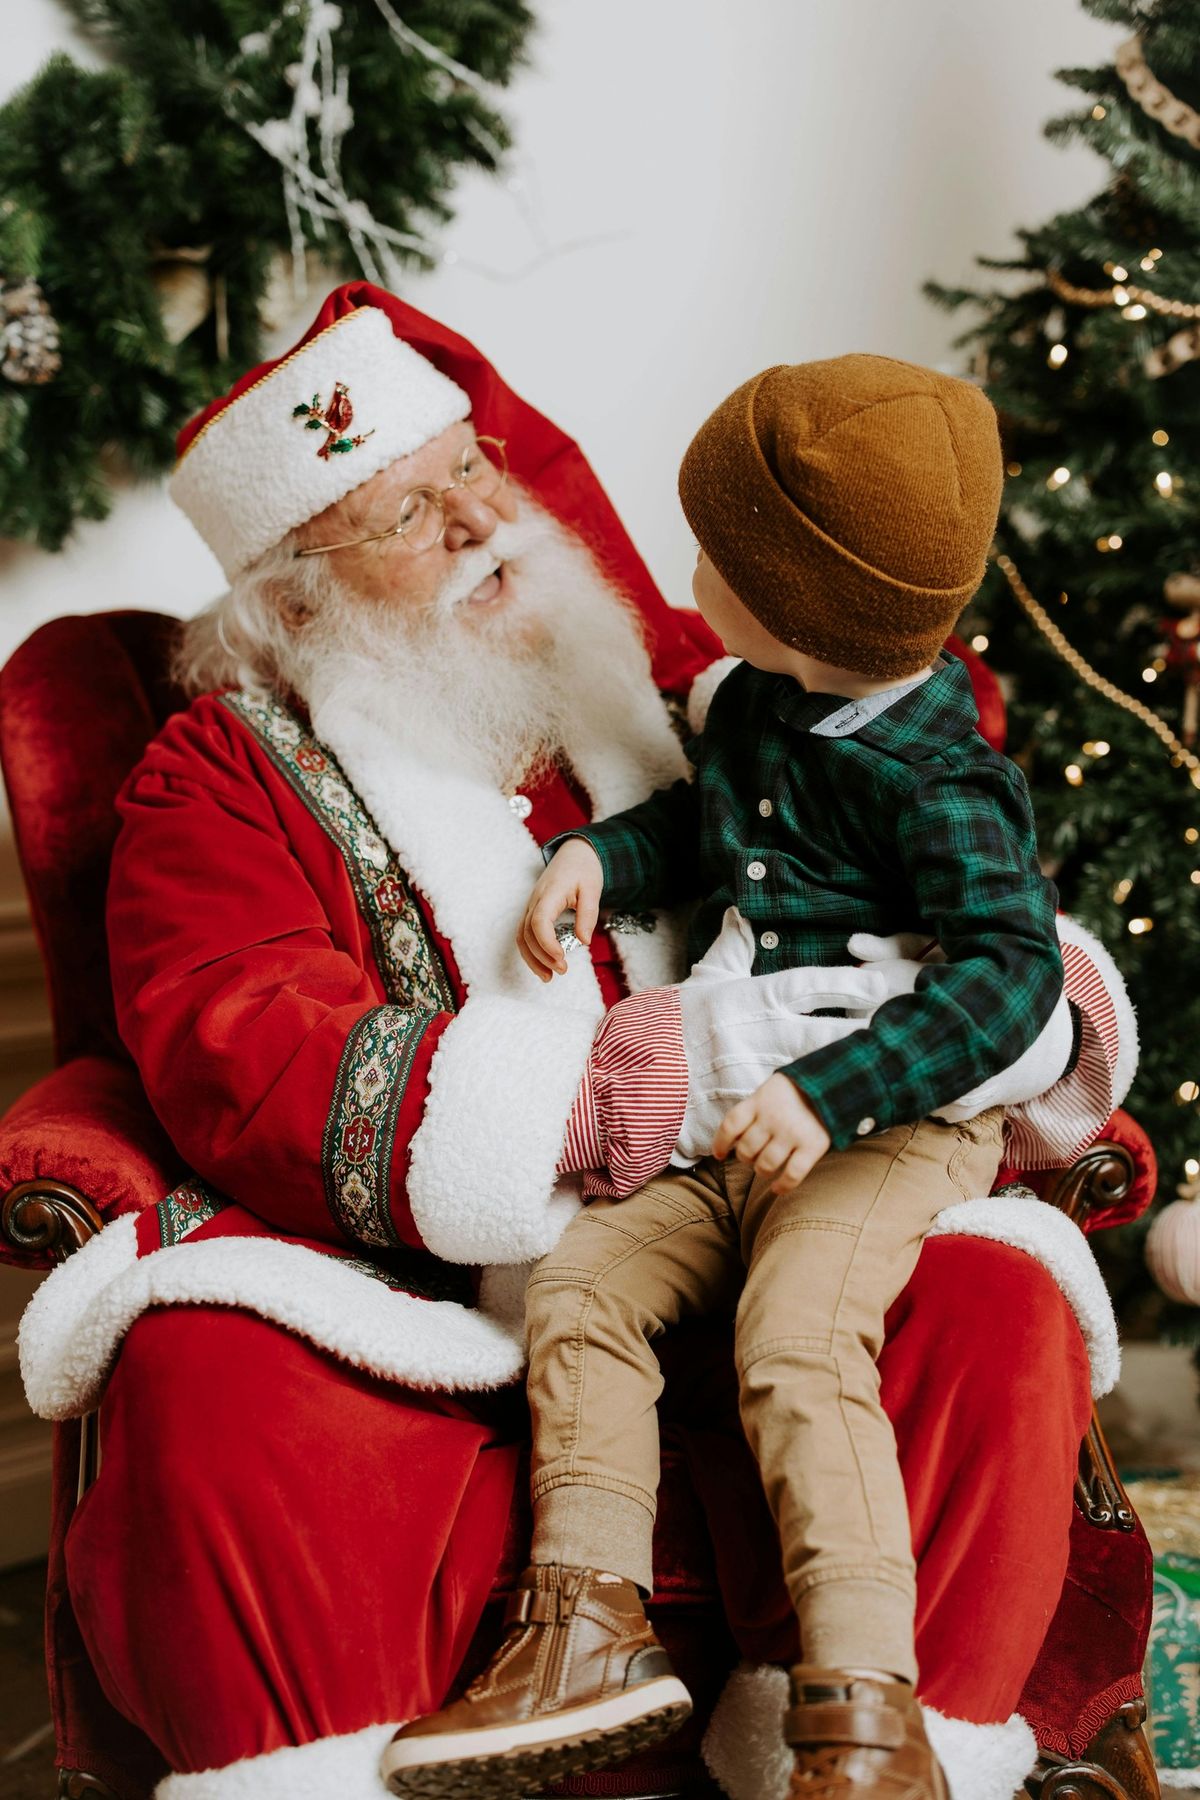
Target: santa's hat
250, 470
301, 432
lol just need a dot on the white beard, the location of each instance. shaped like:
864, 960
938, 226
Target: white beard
493, 696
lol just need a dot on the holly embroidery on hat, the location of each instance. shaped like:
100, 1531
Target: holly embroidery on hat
334, 419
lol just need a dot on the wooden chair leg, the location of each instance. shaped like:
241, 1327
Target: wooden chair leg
1117, 1764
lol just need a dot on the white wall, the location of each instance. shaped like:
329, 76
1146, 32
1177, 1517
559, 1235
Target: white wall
748, 181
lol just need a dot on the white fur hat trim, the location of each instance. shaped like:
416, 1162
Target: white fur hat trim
255, 471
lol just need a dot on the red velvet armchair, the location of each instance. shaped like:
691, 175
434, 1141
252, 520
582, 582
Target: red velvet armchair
78, 702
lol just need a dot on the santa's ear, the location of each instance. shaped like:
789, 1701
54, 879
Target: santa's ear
292, 607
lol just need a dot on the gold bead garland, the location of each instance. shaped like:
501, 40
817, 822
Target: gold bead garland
1155, 100
1097, 297
1092, 678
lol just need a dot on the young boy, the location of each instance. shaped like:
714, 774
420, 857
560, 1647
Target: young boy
843, 511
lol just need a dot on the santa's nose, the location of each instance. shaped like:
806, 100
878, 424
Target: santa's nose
469, 520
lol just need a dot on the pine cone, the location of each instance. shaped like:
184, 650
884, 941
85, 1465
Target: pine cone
28, 335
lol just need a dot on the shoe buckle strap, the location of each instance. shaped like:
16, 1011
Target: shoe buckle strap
845, 1722
531, 1606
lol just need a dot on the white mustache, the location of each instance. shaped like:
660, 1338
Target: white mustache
471, 567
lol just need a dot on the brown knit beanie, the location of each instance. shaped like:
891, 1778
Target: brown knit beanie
849, 504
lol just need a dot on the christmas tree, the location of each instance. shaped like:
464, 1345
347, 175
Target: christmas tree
1089, 345
150, 210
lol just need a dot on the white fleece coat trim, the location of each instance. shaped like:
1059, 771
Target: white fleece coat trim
705, 686
74, 1324
747, 1756
346, 1767
505, 1074
1041, 1231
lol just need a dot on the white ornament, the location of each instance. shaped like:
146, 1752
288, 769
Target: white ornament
1173, 1251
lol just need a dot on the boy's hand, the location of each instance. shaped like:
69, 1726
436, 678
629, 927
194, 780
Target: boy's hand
572, 878
777, 1131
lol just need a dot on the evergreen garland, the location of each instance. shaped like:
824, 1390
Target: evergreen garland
146, 210
1101, 511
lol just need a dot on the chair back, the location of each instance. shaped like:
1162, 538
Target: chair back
79, 701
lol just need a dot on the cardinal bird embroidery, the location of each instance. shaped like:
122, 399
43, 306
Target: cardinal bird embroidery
334, 420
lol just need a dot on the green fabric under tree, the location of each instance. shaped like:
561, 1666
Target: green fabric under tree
152, 219
1099, 393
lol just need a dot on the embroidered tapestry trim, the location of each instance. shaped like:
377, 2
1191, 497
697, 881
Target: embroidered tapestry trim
360, 1129
192, 1204
403, 1271
412, 969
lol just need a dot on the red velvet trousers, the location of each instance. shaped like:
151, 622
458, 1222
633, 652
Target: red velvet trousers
279, 1547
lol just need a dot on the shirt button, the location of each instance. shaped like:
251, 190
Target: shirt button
765, 808
865, 1126
756, 870
769, 940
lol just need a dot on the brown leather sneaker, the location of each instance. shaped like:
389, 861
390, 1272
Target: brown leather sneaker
579, 1682
858, 1739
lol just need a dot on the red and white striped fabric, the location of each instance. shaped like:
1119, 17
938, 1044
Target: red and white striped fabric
630, 1106
629, 1109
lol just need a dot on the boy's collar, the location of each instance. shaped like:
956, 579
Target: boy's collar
918, 722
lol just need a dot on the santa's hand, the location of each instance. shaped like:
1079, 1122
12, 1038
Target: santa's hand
572, 878
1038, 1069
777, 1131
738, 1029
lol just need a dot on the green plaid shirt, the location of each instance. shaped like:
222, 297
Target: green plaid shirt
911, 822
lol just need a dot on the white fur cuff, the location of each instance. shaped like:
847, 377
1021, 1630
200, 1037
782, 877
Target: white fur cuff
482, 1182
705, 686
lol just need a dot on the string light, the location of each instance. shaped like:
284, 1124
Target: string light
1058, 478
1074, 774
979, 642
1191, 1168
1095, 747
1139, 928
1057, 355
1134, 312
1099, 112
1112, 542
1147, 263
1149, 674
1187, 1090
1014, 468
1191, 835
1116, 271
1165, 484
1122, 890
1160, 438
1120, 294
1194, 878
1154, 255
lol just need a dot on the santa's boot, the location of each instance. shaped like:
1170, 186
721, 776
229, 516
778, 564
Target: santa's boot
858, 1738
578, 1682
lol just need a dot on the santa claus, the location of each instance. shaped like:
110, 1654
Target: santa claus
309, 1354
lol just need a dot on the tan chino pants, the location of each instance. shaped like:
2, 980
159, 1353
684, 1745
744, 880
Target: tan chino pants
810, 1274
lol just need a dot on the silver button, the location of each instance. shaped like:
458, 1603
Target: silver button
865, 1126
520, 804
769, 940
756, 870
765, 808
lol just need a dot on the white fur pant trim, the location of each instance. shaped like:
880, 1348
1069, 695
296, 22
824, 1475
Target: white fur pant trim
345, 1767
747, 1756
1041, 1231
76, 1320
